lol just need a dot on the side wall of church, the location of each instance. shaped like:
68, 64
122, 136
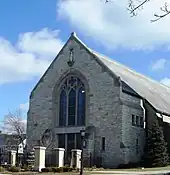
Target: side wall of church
133, 134
103, 110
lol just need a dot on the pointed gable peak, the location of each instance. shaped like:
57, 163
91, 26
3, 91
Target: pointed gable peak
76, 38
73, 34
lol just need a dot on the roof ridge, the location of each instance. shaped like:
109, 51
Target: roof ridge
73, 34
130, 69
120, 64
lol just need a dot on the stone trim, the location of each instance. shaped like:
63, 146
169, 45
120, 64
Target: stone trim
66, 130
40, 147
131, 104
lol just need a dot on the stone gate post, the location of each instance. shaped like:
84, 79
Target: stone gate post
76, 158
12, 157
58, 154
39, 158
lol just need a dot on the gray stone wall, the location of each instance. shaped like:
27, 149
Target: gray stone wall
133, 137
104, 109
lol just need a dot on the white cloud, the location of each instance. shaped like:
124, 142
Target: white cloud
25, 122
159, 64
165, 81
43, 43
24, 107
110, 24
29, 57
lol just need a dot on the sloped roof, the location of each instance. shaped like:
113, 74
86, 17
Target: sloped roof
154, 92
157, 94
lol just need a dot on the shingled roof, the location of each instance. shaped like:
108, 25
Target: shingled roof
157, 94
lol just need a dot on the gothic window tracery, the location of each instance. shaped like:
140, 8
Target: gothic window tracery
72, 102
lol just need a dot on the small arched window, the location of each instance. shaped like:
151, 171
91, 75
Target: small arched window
72, 102
63, 108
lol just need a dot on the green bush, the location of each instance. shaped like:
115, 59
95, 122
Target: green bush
14, 169
67, 169
2, 169
6, 167
61, 169
44, 170
47, 169
156, 153
56, 170
27, 168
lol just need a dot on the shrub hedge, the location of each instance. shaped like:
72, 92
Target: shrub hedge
14, 169
2, 169
57, 169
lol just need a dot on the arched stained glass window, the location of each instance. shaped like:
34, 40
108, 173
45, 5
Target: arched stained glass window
72, 102
63, 108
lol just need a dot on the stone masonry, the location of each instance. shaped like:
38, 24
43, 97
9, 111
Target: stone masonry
108, 109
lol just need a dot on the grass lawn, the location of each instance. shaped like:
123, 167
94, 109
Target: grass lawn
140, 169
97, 171
33, 173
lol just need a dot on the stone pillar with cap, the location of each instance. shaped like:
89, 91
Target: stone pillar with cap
58, 155
12, 157
76, 158
39, 158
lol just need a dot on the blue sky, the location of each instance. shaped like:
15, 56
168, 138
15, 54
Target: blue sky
32, 32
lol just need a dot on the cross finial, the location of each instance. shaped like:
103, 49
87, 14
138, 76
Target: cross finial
73, 33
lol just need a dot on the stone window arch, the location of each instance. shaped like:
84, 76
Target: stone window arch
72, 102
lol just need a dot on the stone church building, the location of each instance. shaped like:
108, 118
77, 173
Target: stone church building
84, 90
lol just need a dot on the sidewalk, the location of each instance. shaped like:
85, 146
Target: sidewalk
158, 172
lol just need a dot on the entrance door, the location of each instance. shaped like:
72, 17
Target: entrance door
70, 146
69, 141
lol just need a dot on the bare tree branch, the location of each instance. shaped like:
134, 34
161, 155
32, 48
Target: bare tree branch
14, 124
135, 5
165, 10
133, 8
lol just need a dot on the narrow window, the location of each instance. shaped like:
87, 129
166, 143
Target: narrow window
133, 119
141, 122
61, 140
81, 107
103, 143
78, 141
70, 142
137, 120
72, 107
137, 147
63, 108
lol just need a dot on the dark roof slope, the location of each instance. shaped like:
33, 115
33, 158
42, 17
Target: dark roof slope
157, 94
154, 92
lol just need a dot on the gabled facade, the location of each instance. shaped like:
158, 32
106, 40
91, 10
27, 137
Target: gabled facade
83, 90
